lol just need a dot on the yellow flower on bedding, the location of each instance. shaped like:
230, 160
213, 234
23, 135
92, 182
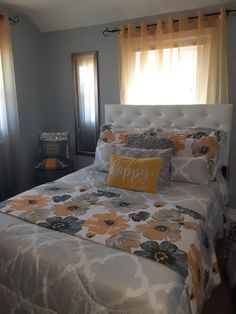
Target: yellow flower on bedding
215, 268
28, 203
122, 137
216, 274
159, 204
195, 265
178, 139
111, 224
76, 208
210, 143
191, 225
160, 230
108, 136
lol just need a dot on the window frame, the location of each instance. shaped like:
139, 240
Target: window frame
76, 99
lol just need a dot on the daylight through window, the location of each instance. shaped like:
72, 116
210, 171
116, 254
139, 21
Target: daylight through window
169, 82
86, 88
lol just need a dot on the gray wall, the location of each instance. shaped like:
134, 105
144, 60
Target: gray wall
59, 98
44, 81
27, 43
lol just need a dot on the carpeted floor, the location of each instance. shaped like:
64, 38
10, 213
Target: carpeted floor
220, 301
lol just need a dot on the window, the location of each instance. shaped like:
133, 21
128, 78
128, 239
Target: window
180, 61
173, 81
87, 111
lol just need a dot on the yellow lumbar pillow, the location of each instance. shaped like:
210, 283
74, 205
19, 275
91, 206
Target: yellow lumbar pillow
139, 174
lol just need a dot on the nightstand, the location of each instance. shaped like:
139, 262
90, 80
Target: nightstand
229, 248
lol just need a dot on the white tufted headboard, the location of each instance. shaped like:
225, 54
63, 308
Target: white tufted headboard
142, 116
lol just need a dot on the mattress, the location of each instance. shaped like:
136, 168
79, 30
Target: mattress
43, 271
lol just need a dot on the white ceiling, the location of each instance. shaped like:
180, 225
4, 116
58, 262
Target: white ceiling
54, 15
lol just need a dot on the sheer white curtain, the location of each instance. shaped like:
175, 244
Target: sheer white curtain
175, 62
86, 87
9, 127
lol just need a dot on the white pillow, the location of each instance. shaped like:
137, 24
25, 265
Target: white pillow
190, 169
102, 156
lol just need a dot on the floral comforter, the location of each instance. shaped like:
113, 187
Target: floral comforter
170, 234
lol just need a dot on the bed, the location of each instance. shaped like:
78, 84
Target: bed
45, 271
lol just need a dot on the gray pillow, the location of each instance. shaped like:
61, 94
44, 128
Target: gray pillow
150, 139
164, 177
190, 169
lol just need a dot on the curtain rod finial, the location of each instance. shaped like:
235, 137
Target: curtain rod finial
107, 31
14, 20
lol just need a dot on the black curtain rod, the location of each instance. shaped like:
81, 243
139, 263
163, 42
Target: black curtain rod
13, 20
107, 31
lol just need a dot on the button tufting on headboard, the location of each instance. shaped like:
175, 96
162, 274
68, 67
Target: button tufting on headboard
211, 116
